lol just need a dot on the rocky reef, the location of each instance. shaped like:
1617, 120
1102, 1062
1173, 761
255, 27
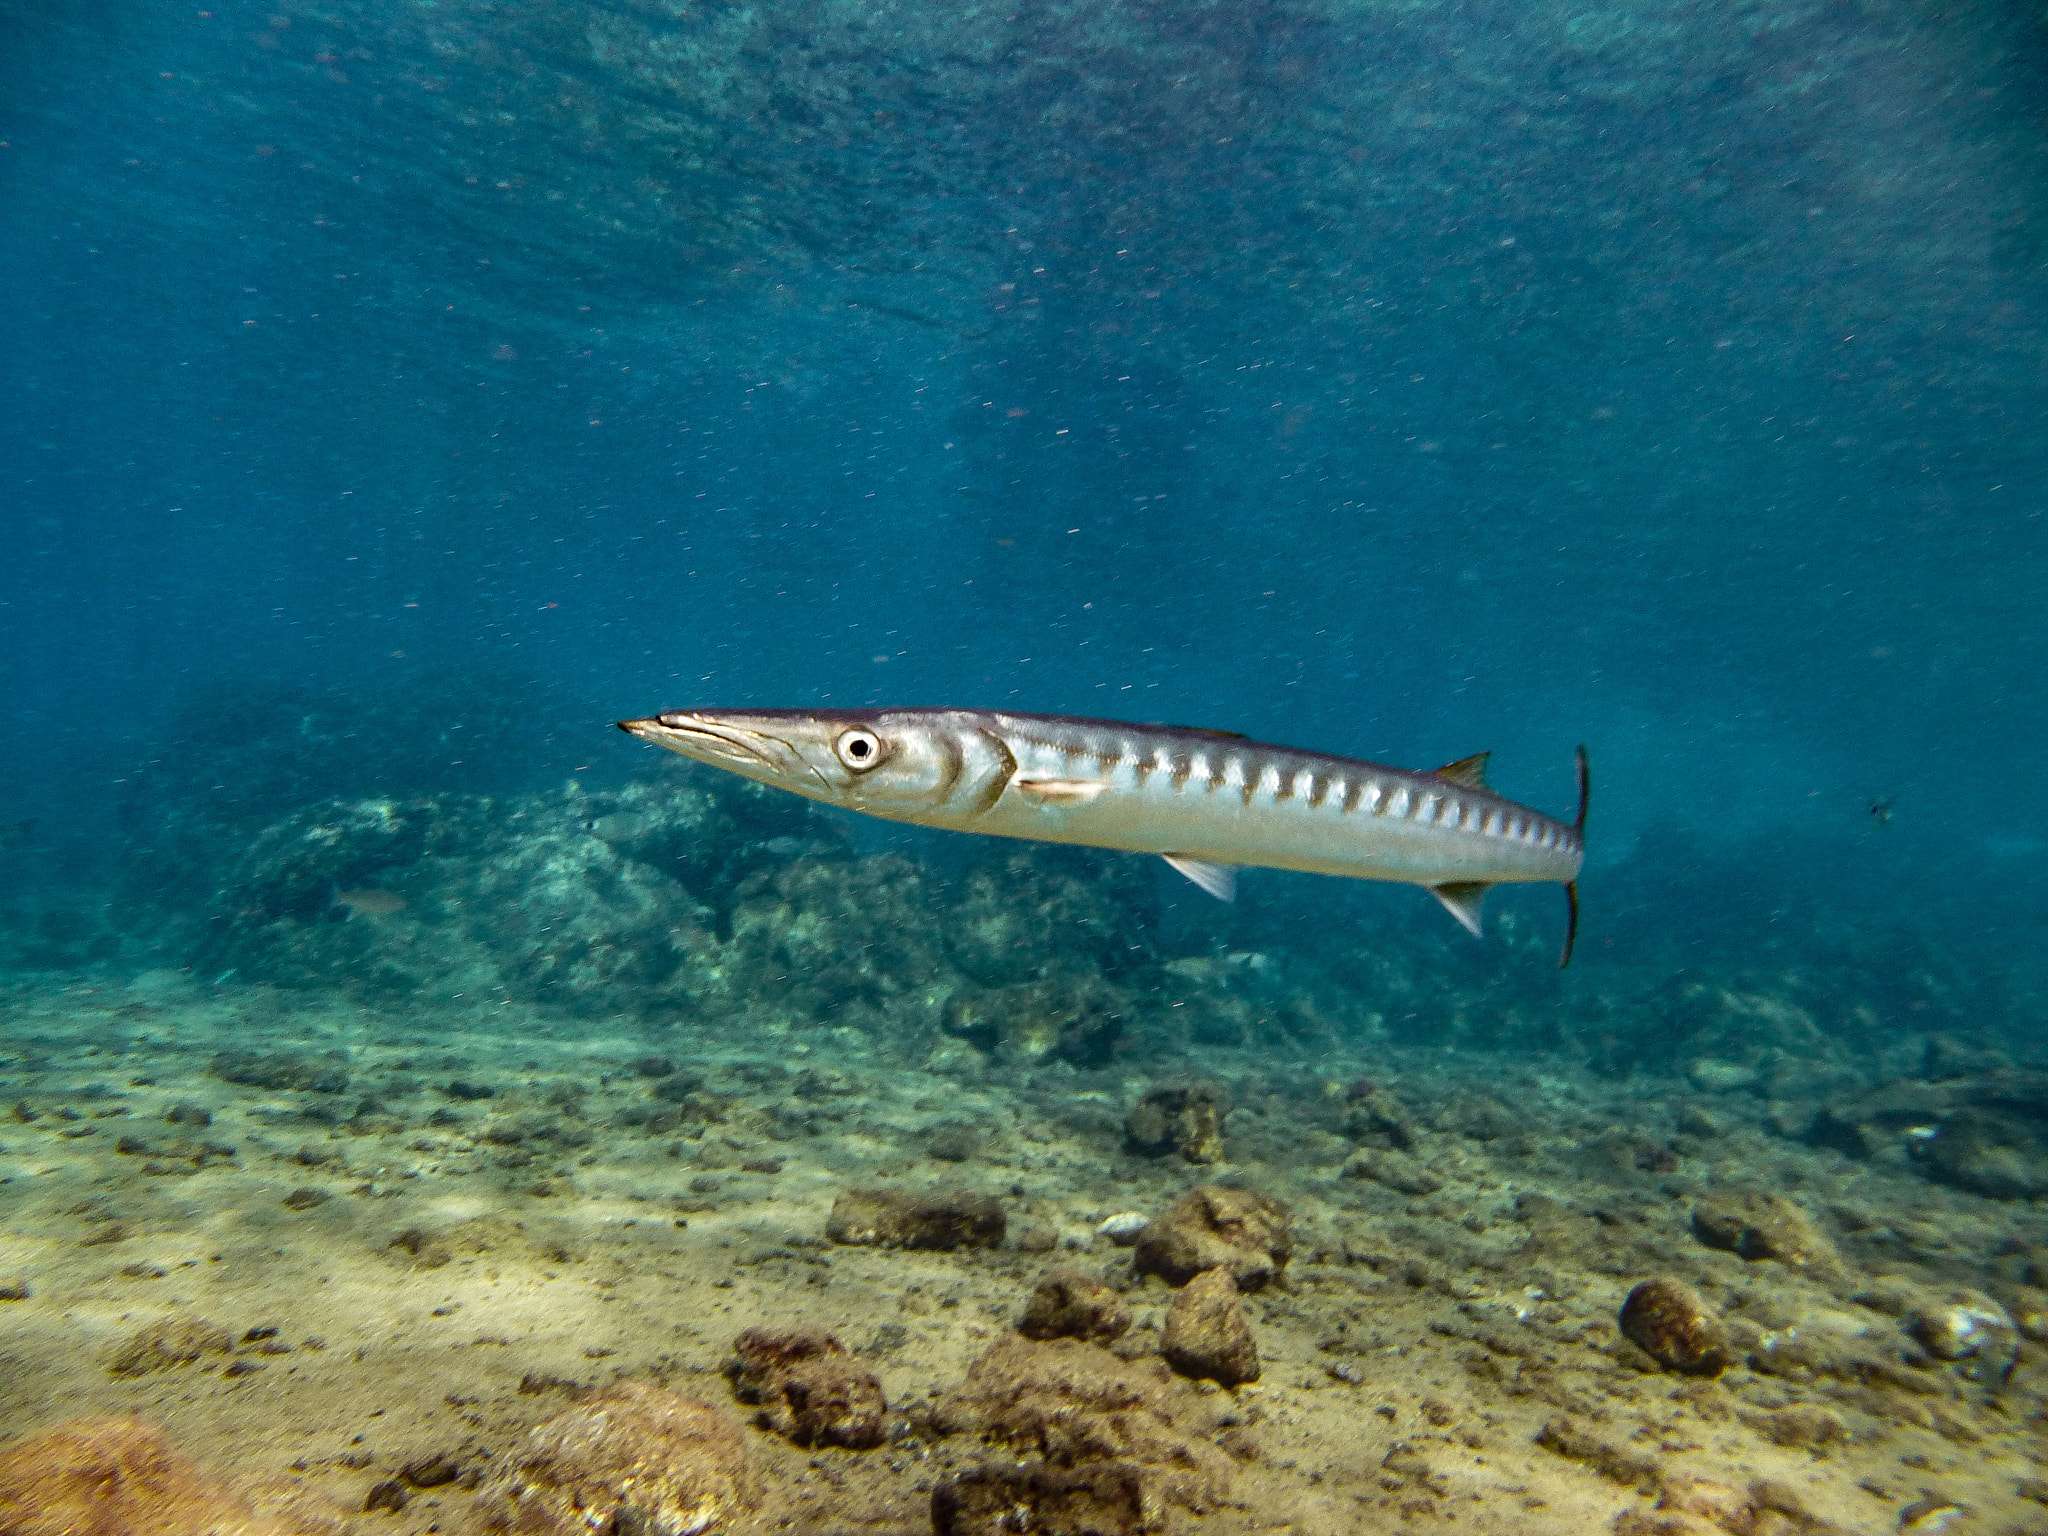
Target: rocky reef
697, 898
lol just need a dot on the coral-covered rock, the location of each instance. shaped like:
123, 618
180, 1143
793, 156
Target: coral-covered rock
709, 830
1479, 1117
570, 921
1179, 1117
115, 1477
808, 1389
892, 1218
635, 1457
1070, 1404
1071, 1304
1070, 1014
295, 868
1206, 1334
1375, 1116
1990, 1152
1760, 1225
1211, 1227
1396, 1170
1672, 1323
1027, 907
849, 942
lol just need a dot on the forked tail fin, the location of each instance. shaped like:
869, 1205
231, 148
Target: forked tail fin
1571, 887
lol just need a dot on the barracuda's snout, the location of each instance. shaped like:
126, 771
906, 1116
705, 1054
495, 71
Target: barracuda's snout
719, 740
863, 760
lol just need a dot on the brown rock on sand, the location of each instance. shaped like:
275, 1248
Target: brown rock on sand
1064, 1405
1104, 1499
115, 1477
635, 1455
1760, 1225
808, 1389
891, 1218
1211, 1227
174, 1341
1206, 1334
1071, 1304
1669, 1321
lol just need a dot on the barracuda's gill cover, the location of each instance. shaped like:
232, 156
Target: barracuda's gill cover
1206, 801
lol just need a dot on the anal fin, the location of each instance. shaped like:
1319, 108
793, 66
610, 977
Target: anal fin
1219, 880
1463, 900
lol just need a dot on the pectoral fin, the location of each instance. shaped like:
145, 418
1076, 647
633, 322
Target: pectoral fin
1462, 899
1219, 880
1060, 791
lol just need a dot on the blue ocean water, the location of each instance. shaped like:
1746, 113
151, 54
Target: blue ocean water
398, 394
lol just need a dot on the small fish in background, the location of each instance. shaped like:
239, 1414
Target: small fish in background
15, 834
370, 902
1881, 811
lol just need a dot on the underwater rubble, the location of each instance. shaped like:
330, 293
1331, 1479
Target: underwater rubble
653, 1156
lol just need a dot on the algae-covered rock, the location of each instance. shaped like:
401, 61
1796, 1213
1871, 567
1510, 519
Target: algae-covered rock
1071, 1015
1760, 1225
572, 922
635, 1457
1396, 1170
1067, 1404
1069, 1304
278, 1070
1206, 1334
808, 1388
1025, 907
891, 1218
848, 943
1211, 1227
708, 830
1179, 1117
1376, 1117
1989, 1152
1108, 1498
1966, 1325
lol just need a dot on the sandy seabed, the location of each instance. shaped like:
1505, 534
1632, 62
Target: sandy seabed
500, 1211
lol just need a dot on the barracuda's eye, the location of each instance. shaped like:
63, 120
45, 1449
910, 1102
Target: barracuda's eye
859, 749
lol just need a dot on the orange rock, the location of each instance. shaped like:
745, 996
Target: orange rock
115, 1477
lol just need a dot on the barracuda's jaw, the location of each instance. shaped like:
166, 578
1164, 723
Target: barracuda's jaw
769, 759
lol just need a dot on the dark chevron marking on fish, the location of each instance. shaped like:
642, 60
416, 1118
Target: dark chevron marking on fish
1206, 801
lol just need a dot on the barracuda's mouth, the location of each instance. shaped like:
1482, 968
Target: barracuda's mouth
707, 741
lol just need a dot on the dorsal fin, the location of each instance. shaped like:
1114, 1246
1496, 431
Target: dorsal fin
1468, 771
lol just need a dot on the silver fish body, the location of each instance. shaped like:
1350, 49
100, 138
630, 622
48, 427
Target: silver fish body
1207, 801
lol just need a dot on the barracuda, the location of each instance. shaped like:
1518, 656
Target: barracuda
1205, 801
